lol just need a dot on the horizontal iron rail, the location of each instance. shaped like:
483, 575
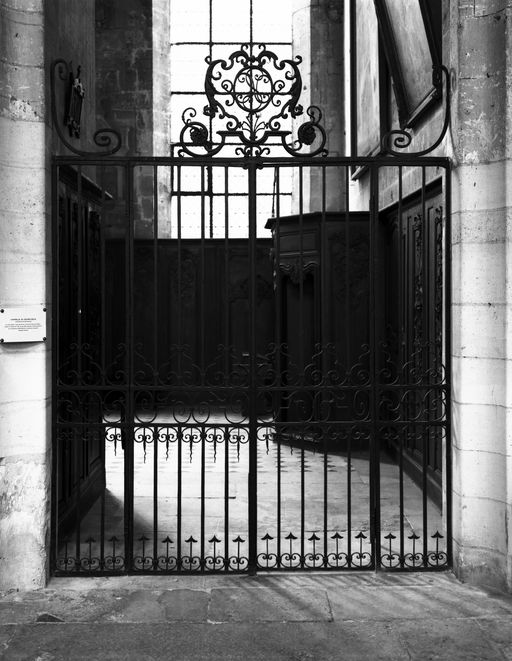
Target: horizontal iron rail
352, 424
176, 389
346, 161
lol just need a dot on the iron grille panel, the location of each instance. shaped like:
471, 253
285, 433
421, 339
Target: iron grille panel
272, 400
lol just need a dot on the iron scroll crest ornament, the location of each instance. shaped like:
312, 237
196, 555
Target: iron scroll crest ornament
253, 96
108, 139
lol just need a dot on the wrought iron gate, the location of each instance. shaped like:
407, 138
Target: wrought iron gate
250, 364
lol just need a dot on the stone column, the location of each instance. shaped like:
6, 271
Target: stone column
24, 383
318, 39
482, 295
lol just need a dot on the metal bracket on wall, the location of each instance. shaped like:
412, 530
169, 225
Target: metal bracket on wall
398, 139
107, 138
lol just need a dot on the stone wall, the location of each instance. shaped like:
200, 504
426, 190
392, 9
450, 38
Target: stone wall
24, 385
479, 50
34, 33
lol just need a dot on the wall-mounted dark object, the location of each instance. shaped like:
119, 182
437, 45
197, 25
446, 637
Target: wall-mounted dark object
396, 139
108, 139
76, 93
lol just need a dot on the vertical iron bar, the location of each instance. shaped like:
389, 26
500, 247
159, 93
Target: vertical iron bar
423, 349
401, 494
324, 316
103, 360
408, 270
348, 367
277, 399
302, 382
209, 185
227, 367
179, 442
80, 266
448, 360
402, 361
202, 276
102, 500
203, 270
129, 428
103, 323
203, 486
253, 449
76, 469
77, 436
155, 496
375, 392
55, 316
179, 315
179, 339
155, 274
155, 363
226, 496
227, 316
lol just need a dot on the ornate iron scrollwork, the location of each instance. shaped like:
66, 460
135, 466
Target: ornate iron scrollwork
108, 139
253, 94
399, 139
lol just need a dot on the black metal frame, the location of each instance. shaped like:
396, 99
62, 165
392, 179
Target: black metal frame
91, 382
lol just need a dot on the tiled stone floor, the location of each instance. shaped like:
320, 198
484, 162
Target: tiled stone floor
269, 617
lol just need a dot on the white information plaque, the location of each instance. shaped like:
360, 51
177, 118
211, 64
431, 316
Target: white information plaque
23, 324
